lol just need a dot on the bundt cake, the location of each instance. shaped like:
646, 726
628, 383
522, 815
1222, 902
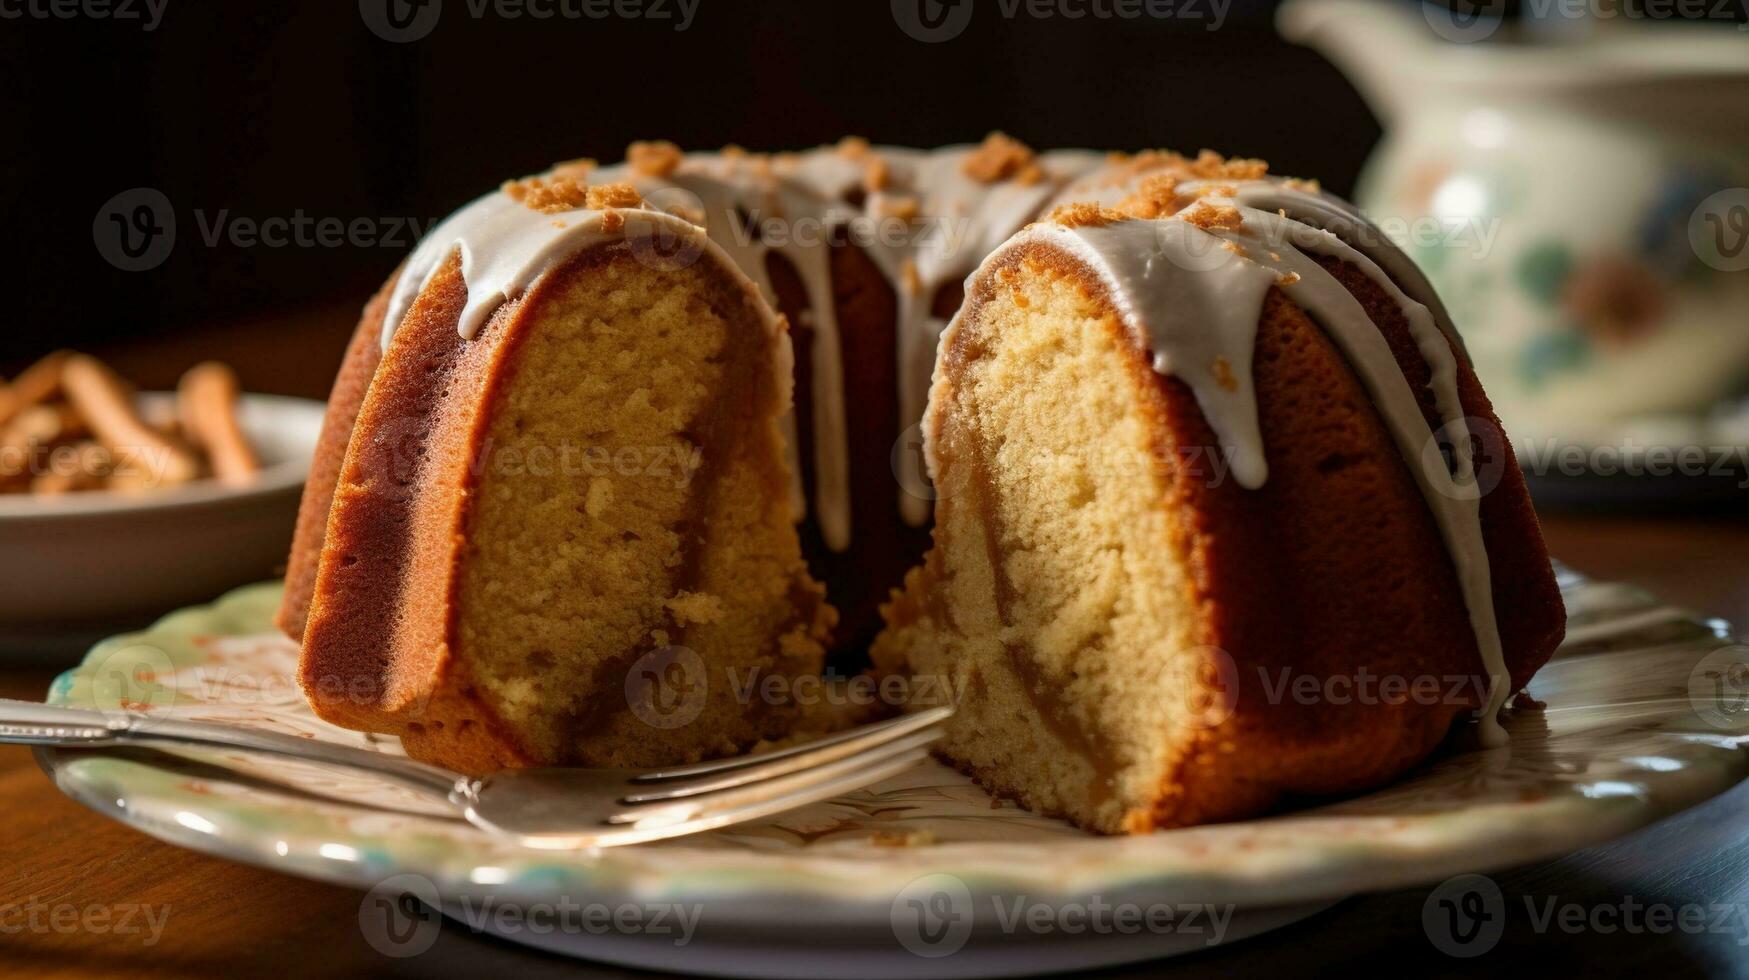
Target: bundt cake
1187, 442
1209, 531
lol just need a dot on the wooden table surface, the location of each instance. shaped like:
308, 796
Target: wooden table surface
60, 862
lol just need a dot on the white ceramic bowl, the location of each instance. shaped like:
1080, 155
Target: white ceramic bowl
95, 557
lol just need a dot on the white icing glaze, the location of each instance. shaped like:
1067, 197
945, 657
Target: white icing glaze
505, 247
1192, 296
752, 207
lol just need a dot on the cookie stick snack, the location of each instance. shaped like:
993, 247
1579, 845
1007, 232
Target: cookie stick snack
143, 456
206, 402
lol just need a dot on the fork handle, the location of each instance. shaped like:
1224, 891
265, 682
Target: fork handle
32, 723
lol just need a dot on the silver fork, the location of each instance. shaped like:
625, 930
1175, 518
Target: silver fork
543, 808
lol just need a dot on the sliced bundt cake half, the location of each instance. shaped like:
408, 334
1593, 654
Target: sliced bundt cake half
1223, 514
559, 531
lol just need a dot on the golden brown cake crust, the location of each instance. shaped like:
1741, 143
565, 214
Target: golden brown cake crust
1335, 564
390, 513
359, 364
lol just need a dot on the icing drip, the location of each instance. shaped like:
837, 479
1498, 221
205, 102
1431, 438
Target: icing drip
729, 196
960, 221
1193, 296
927, 227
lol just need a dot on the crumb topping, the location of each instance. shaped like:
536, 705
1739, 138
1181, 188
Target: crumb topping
876, 175
1223, 372
1155, 197
654, 158
1206, 215
1002, 157
613, 196
554, 193
548, 195
1208, 165
852, 147
1085, 215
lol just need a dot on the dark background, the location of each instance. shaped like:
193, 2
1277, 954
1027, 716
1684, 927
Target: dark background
263, 109
257, 110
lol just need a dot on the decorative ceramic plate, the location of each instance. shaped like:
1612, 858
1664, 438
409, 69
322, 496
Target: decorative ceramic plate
923, 875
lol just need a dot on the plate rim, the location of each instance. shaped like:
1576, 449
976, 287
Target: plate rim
846, 897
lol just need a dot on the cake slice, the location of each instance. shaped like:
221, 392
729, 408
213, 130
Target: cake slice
1198, 547
560, 532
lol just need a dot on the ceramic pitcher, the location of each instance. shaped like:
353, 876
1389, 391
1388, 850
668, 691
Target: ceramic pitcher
1579, 196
